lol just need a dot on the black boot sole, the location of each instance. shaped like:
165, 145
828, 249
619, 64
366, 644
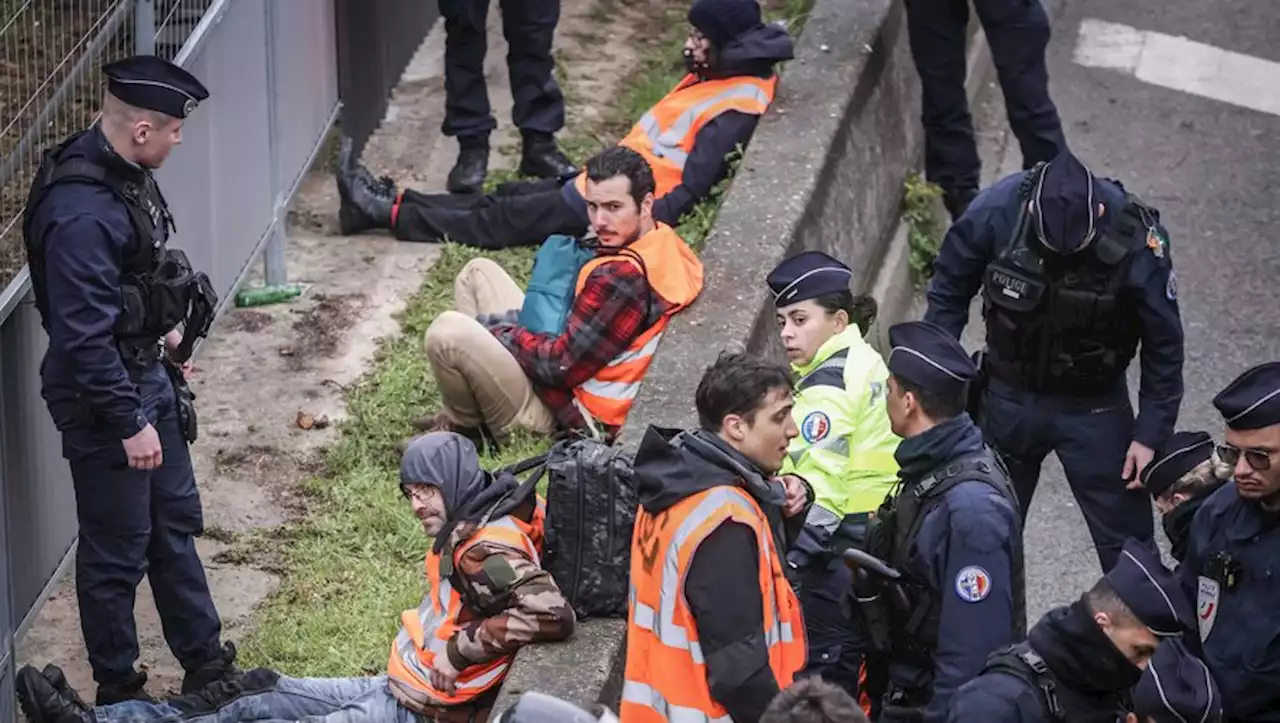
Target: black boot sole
26, 690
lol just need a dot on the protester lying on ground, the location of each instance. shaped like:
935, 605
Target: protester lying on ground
714, 629
814, 700
496, 378
731, 57
1185, 471
487, 597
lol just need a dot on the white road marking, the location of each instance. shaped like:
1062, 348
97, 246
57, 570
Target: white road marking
1180, 63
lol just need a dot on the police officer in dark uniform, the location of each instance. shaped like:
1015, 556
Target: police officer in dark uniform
1080, 662
1075, 273
1232, 567
1176, 687
109, 291
538, 110
1018, 33
951, 531
1185, 472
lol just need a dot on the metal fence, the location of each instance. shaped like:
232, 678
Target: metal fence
271, 69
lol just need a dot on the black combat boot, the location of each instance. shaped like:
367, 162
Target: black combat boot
471, 167
130, 688
46, 697
957, 201
217, 695
366, 201
541, 157
220, 668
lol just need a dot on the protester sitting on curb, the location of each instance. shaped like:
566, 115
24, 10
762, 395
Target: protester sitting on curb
501, 377
488, 597
1184, 472
731, 57
714, 629
814, 700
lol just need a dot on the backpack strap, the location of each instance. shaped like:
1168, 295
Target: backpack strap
1024, 663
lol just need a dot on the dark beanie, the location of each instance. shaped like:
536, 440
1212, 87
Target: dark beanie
723, 21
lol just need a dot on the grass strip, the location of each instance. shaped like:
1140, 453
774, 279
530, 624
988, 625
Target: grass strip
354, 562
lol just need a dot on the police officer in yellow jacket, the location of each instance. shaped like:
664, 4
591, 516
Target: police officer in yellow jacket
845, 448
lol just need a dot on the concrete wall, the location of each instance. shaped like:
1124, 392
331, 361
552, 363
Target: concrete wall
824, 171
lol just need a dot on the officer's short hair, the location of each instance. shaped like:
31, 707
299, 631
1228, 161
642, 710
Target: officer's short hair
622, 161
937, 405
738, 384
1103, 598
813, 700
1207, 475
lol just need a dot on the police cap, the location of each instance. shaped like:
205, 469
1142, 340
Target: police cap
807, 275
1065, 205
924, 354
1181, 454
1176, 688
146, 81
1252, 401
1150, 591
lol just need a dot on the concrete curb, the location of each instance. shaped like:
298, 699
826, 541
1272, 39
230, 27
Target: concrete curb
825, 170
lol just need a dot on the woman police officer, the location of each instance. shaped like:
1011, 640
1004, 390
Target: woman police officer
845, 448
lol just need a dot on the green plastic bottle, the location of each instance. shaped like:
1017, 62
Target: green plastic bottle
265, 295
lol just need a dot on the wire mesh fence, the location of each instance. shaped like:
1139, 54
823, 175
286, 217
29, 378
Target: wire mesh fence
51, 83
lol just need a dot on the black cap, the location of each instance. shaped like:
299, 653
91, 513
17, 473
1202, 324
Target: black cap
1181, 454
1252, 401
1065, 205
723, 21
1149, 590
146, 81
807, 275
926, 355
1177, 688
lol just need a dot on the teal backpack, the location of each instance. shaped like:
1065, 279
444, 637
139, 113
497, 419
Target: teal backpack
551, 288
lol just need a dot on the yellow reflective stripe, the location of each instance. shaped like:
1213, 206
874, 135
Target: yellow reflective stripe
638, 693
666, 144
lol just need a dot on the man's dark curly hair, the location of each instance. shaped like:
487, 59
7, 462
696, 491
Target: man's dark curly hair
814, 700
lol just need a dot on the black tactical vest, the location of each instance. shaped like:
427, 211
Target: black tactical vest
1059, 704
158, 287
1062, 324
916, 617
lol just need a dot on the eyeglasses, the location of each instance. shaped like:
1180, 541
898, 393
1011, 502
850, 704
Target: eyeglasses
1258, 459
421, 494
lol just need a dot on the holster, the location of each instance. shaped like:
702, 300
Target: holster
185, 400
978, 385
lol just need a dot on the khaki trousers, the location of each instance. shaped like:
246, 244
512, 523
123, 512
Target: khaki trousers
480, 381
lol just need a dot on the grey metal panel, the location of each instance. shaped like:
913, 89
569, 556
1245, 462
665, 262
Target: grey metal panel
8, 708
39, 497
217, 182
304, 50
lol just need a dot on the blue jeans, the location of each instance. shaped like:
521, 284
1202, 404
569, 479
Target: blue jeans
314, 700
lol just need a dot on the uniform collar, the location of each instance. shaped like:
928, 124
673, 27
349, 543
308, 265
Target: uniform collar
1250, 519
108, 156
850, 337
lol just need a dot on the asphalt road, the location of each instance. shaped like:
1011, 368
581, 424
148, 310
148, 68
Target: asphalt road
1213, 169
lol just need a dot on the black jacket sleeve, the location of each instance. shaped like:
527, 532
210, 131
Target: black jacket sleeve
728, 609
706, 164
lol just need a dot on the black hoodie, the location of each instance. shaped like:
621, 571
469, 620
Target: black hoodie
721, 586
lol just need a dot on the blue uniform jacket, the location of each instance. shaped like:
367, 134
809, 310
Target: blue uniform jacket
964, 554
983, 232
1240, 627
85, 235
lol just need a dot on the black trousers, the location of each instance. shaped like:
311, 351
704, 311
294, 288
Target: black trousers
528, 26
523, 213
1018, 33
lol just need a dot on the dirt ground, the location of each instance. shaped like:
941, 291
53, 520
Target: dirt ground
262, 367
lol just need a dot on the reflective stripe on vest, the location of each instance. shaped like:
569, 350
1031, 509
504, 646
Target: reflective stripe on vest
666, 678
665, 134
426, 631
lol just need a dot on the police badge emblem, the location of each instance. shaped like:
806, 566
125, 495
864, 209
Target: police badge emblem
189, 106
1207, 605
1156, 242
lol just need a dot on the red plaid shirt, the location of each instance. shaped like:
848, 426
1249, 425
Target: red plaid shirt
614, 307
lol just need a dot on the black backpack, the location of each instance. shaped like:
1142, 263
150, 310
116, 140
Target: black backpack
591, 511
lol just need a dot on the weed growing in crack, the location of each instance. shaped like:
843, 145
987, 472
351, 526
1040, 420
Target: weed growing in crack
924, 229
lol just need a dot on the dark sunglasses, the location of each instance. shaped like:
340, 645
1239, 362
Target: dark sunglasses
1257, 459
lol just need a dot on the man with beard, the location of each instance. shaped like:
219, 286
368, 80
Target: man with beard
1232, 565
496, 376
1080, 662
1185, 472
731, 57
488, 597
714, 628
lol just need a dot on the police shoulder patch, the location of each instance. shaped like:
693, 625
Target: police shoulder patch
815, 427
1171, 286
973, 584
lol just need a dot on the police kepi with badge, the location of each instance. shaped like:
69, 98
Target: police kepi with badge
1176, 687
109, 291
1232, 567
1076, 274
951, 530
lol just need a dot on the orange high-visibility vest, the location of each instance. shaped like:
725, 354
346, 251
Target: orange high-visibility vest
666, 674
665, 135
426, 631
674, 274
